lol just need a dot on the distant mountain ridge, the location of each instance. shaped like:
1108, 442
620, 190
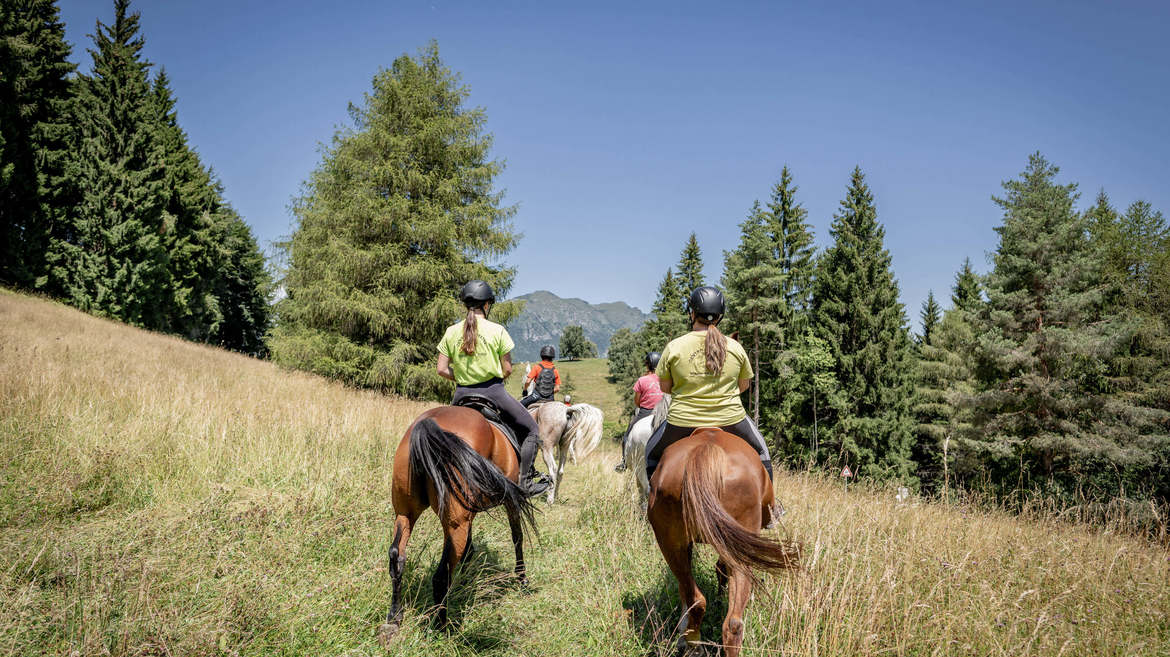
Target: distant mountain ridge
546, 315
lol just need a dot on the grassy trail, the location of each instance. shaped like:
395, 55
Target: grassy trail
158, 497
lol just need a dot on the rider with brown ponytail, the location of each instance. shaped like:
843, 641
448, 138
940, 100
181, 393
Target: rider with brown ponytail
476, 353
705, 371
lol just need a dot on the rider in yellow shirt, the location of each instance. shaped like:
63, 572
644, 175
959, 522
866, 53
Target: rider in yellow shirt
476, 353
705, 371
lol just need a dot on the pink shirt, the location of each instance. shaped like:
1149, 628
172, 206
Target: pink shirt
647, 388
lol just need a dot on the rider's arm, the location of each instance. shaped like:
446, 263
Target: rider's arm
506, 364
744, 383
444, 367
666, 385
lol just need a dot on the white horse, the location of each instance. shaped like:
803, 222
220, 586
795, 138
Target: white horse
584, 430
565, 431
635, 453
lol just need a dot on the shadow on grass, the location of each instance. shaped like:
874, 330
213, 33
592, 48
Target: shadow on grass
483, 578
653, 614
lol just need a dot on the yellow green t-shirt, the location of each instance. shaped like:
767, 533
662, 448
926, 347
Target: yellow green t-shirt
700, 398
491, 343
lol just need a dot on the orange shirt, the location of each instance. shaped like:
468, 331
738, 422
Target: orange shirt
548, 364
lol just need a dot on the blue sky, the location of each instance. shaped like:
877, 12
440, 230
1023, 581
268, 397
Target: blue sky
624, 128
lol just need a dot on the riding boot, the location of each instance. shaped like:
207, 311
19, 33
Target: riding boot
768, 468
531, 481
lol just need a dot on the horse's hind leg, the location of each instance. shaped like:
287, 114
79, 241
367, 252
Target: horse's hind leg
678, 558
457, 536
518, 543
737, 599
550, 462
403, 525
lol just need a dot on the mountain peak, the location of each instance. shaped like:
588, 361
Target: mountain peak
546, 315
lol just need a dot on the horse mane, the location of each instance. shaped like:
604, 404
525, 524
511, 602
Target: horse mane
660, 411
584, 428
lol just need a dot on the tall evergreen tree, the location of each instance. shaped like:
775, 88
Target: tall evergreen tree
690, 270
752, 280
967, 293
668, 321
34, 127
857, 313
780, 375
1044, 418
109, 257
931, 315
399, 214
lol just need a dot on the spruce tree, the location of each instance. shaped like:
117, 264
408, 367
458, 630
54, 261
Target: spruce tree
931, 315
752, 280
34, 128
856, 311
787, 227
966, 293
109, 257
690, 270
399, 214
1046, 419
668, 321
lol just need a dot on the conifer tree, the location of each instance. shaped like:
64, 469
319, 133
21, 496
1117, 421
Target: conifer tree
857, 313
1045, 418
34, 127
966, 293
109, 257
574, 345
787, 226
690, 270
752, 281
668, 321
399, 214
931, 315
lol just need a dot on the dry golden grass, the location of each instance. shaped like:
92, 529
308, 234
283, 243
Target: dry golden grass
158, 497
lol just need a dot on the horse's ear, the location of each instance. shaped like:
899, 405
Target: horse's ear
734, 336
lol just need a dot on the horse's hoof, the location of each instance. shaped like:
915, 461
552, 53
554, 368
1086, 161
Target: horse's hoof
386, 634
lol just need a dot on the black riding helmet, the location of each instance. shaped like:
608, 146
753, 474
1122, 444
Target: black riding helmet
707, 304
547, 352
476, 293
652, 359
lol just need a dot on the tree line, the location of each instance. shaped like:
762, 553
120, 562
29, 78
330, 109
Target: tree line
105, 204
1049, 375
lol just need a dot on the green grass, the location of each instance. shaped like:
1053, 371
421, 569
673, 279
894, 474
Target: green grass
162, 498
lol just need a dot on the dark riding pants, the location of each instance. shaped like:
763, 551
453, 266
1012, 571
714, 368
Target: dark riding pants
511, 412
533, 398
668, 434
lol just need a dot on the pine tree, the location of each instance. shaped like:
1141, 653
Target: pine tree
931, 315
34, 126
690, 270
752, 281
857, 313
1045, 418
399, 214
108, 257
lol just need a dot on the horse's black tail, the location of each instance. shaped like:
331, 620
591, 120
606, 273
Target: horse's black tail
461, 473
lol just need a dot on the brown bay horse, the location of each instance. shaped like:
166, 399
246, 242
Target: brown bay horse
452, 461
711, 488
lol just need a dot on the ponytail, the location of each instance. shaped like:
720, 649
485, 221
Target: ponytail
715, 349
471, 335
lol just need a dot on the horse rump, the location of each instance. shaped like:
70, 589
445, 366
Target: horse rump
705, 518
461, 473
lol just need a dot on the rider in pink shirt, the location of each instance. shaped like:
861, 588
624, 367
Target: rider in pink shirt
647, 394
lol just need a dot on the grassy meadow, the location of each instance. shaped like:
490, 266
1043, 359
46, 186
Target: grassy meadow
163, 498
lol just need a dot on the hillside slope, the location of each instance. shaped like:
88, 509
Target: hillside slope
546, 315
160, 497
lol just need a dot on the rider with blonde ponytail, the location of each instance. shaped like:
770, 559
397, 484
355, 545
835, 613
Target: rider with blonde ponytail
705, 371
476, 353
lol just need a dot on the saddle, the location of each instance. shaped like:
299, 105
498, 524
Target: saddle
491, 413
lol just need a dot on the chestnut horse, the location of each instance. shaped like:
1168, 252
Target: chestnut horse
455, 462
711, 487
